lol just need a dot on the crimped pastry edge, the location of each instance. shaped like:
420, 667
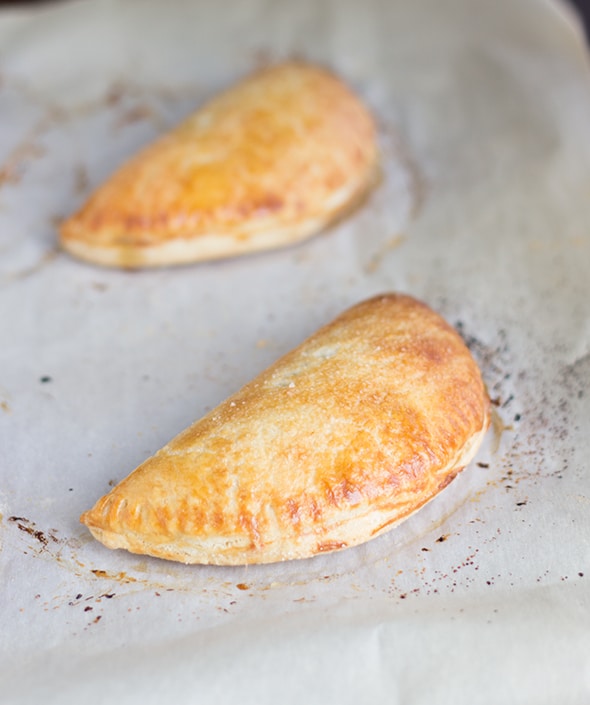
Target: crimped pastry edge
344, 534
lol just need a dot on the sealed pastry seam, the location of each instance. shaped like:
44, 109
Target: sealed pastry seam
334, 444
345, 533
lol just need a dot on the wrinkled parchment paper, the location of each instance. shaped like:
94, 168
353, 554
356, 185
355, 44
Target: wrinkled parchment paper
483, 596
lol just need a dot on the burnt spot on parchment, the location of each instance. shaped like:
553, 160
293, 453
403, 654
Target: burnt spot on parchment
29, 527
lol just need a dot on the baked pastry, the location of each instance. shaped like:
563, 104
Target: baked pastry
270, 162
332, 445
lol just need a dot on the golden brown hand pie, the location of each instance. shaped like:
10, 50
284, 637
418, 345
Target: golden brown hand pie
270, 162
332, 445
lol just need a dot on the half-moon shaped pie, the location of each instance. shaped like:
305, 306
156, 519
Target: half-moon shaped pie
337, 442
269, 162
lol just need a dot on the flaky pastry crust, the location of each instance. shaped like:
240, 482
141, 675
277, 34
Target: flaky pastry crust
338, 441
269, 162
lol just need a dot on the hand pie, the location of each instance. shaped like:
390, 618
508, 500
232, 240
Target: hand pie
270, 162
334, 444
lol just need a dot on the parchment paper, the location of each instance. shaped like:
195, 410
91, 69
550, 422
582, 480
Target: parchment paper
483, 596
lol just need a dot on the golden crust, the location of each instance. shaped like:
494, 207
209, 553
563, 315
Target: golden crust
271, 161
332, 445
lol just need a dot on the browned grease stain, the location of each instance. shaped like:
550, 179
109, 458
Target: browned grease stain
136, 114
121, 577
5, 407
14, 167
498, 427
43, 261
81, 180
377, 258
47, 545
242, 586
30, 528
398, 150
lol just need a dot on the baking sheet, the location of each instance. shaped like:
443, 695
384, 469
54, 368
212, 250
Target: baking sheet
484, 120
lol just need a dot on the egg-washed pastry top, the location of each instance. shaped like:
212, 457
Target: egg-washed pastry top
332, 445
268, 162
